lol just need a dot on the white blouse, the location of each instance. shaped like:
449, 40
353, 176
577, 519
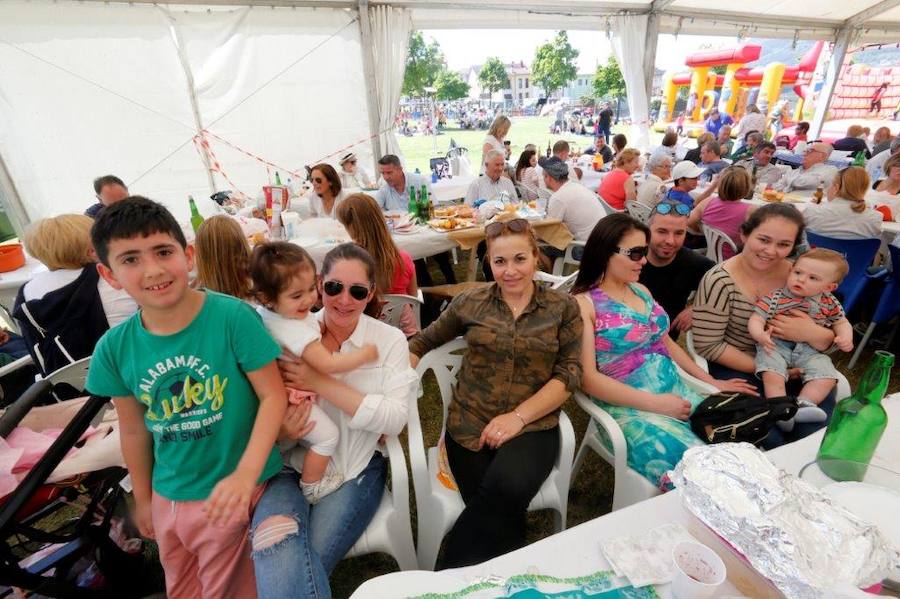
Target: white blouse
837, 219
317, 209
389, 384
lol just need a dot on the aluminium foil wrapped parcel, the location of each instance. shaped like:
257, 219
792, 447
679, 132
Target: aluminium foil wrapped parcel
788, 530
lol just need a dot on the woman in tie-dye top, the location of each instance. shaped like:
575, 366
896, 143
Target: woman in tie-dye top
629, 361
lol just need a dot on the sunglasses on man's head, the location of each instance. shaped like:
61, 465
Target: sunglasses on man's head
357, 292
668, 207
516, 225
635, 253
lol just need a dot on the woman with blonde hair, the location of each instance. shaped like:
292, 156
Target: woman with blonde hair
495, 136
725, 211
223, 257
65, 310
394, 269
845, 215
617, 187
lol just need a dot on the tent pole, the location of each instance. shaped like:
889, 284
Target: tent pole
367, 47
650, 51
842, 41
192, 94
12, 201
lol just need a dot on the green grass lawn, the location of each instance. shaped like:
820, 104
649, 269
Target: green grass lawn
418, 149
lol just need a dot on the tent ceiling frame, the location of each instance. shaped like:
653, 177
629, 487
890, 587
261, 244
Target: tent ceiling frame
862, 19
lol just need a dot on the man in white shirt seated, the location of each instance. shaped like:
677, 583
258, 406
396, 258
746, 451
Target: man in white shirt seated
574, 204
760, 165
394, 194
653, 188
814, 171
492, 184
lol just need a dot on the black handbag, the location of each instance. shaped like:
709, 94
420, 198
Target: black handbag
728, 417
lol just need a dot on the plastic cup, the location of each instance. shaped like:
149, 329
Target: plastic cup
698, 571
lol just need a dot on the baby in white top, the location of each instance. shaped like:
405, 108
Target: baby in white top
284, 281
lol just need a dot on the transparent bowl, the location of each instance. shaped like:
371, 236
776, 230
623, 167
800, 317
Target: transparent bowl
827, 471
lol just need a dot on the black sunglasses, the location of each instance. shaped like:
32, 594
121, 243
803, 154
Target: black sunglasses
667, 207
357, 292
635, 253
516, 225
318, 180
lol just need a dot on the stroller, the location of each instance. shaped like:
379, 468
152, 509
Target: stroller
56, 524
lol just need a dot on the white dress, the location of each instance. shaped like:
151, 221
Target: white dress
495, 144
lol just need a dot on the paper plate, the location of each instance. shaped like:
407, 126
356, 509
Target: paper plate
306, 241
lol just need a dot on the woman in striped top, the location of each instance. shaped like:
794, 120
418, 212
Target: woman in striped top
728, 292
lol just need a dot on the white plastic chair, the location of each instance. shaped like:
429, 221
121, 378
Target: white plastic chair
393, 308
74, 374
390, 530
437, 506
629, 487
557, 283
716, 240
609, 209
559, 265
638, 210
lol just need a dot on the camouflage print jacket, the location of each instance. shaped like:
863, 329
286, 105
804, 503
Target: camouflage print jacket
508, 359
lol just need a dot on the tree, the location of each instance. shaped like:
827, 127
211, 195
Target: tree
554, 63
492, 76
423, 64
450, 86
609, 80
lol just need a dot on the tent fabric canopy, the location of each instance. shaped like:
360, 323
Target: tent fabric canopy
178, 98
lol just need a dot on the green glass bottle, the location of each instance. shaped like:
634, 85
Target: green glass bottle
859, 159
277, 179
857, 424
196, 219
423, 204
413, 206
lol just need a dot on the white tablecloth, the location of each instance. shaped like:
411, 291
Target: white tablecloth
319, 235
11, 281
576, 551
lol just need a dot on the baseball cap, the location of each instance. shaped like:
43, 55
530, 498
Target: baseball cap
556, 168
686, 170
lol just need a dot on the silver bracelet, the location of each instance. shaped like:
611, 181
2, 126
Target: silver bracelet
522, 418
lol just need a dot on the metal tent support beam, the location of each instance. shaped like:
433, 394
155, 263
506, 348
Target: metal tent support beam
11, 201
652, 38
192, 92
367, 48
842, 41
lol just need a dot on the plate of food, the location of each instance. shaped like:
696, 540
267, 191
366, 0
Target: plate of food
460, 211
452, 223
770, 195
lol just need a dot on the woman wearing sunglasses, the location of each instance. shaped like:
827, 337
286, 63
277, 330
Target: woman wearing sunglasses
627, 358
364, 404
327, 191
725, 211
502, 433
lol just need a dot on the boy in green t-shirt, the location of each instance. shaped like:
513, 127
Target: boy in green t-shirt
199, 397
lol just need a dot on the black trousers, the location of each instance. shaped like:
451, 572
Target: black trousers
444, 262
497, 485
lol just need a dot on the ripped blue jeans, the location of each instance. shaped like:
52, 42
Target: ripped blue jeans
298, 565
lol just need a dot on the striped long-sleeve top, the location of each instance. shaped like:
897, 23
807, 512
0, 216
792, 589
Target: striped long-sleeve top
721, 312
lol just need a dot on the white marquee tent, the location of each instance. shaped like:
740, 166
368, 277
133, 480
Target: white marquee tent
189, 97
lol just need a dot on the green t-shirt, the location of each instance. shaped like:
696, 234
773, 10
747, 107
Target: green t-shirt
199, 404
